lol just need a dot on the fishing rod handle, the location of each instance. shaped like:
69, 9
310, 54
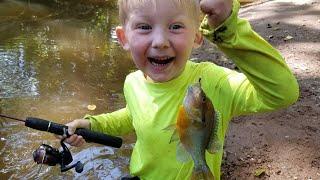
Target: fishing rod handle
60, 129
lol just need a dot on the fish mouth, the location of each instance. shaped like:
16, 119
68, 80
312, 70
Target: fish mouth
160, 61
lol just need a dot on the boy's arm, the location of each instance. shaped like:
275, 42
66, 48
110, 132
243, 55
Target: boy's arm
268, 84
116, 123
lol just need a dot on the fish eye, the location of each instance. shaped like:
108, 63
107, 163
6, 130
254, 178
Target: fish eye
204, 98
203, 119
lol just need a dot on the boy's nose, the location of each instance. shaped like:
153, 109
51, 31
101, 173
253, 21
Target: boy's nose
160, 40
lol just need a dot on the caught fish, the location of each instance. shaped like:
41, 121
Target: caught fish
196, 128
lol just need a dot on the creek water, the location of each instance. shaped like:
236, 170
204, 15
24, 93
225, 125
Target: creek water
54, 62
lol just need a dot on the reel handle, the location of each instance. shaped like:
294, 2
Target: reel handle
78, 167
60, 129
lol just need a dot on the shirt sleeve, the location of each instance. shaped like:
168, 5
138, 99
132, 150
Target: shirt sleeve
115, 123
266, 83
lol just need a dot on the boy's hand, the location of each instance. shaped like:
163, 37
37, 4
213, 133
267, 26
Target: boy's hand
216, 10
74, 139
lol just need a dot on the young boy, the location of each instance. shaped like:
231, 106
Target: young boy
160, 35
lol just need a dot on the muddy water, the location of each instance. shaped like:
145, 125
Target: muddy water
53, 64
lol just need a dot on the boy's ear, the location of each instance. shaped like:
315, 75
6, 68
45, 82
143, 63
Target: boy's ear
122, 37
198, 40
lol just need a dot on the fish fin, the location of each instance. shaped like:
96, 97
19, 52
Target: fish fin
174, 137
202, 174
214, 147
171, 127
182, 155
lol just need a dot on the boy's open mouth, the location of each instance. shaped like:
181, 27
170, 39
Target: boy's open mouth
160, 61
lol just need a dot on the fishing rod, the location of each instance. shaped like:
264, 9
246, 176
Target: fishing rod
60, 129
46, 154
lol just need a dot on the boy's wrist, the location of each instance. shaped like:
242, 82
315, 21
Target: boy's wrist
220, 33
84, 123
88, 118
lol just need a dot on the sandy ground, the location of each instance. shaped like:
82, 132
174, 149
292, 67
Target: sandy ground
283, 144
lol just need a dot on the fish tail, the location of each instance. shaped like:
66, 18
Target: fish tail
203, 173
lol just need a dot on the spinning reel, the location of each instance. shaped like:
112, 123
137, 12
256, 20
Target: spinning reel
48, 155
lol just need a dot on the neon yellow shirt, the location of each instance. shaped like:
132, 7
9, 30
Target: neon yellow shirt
151, 107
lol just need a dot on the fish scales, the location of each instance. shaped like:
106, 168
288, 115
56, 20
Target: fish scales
196, 127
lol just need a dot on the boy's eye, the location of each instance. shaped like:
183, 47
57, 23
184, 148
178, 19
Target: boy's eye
144, 27
175, 26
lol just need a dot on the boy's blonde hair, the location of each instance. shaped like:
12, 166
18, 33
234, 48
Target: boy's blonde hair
127, 6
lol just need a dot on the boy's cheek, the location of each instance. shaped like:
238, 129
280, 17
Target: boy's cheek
184, 41
137, 42
183, 45
137, 51
137, 48
137, 45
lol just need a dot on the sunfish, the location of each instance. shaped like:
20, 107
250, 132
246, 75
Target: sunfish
196, 129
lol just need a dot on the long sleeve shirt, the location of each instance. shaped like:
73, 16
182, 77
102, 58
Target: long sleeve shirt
265, 84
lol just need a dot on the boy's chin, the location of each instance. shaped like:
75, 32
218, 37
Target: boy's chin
161, 77
158, 78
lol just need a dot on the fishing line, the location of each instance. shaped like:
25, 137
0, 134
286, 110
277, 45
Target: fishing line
38, 174
93, 162
9, 117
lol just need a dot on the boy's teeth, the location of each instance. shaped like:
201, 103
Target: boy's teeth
161, 61
157, 64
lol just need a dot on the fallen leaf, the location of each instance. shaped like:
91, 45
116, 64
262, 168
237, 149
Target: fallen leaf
278, 172
91, 107
259, 172
288, 38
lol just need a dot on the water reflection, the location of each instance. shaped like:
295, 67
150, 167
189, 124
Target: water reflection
17, 77
52, 65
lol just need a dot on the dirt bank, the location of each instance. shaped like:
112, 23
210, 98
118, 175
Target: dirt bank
283, 144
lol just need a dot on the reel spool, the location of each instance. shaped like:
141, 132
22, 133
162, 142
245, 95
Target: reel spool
46, 154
